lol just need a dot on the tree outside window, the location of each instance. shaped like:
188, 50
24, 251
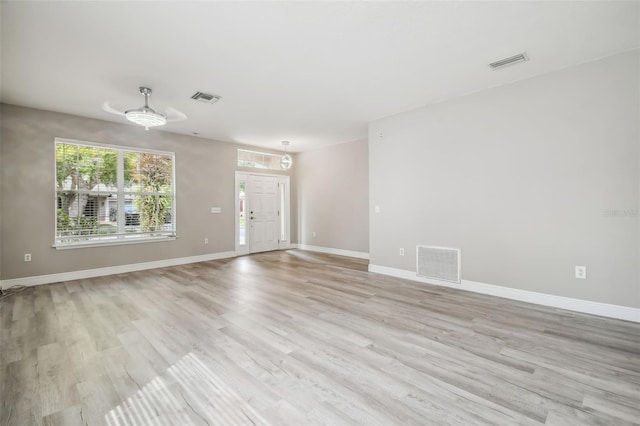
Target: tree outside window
107, 194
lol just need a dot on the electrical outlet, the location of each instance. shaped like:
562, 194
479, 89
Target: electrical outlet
314, 234
27, 257
206, 241
581, 272
401, 252
376, 209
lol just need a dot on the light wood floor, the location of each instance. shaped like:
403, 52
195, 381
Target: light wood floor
296, 338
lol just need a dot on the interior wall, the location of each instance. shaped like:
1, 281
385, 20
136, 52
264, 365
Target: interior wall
528, 179
332, 196
205, 178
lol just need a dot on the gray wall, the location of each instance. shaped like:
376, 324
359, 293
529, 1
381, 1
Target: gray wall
332, 196
528, 179
204, 179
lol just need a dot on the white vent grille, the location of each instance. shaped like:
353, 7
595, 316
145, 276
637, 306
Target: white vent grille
205, 97
521, 57
440, 263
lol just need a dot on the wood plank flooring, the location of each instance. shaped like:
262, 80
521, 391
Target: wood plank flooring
297, 338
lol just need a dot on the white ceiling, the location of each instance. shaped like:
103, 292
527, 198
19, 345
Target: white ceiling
314, 73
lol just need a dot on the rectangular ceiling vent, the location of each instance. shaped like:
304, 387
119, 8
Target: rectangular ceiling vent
521, 57
440, 263
205, 97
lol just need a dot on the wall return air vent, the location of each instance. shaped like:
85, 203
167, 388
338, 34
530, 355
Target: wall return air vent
439, 263
511, 60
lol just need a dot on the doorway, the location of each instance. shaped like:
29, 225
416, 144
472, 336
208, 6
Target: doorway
262, 212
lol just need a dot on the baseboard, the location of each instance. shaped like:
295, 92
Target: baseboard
577, 305
339, 252
111, 270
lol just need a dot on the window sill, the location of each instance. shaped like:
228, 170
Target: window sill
113, 243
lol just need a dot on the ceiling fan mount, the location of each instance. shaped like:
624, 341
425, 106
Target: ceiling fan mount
145, 115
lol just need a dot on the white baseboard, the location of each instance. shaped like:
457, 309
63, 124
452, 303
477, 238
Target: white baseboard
339, 252
584, 306
111, 270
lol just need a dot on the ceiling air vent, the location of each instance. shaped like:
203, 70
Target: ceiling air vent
205, 97
521, 57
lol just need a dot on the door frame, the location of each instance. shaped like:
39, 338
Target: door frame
242, 249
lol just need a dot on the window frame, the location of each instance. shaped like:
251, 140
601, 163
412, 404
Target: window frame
262, 165
117, 238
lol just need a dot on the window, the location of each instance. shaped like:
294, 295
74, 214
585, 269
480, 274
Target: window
107, 194
284, 219
263, 160
242, 217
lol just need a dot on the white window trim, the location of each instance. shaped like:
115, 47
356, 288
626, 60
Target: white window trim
106, 243
264, 154
117, 239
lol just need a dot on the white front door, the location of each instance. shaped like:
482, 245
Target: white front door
262, 212
264, 224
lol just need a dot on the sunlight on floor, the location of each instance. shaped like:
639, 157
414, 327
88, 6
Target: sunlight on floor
189, 390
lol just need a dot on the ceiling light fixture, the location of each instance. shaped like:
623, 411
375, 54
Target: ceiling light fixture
145, 115
286, 161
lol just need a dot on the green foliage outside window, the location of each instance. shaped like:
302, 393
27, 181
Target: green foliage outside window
88, 192
155, 176
76, 225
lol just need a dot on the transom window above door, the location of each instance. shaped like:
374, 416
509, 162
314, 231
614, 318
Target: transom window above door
263, 160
